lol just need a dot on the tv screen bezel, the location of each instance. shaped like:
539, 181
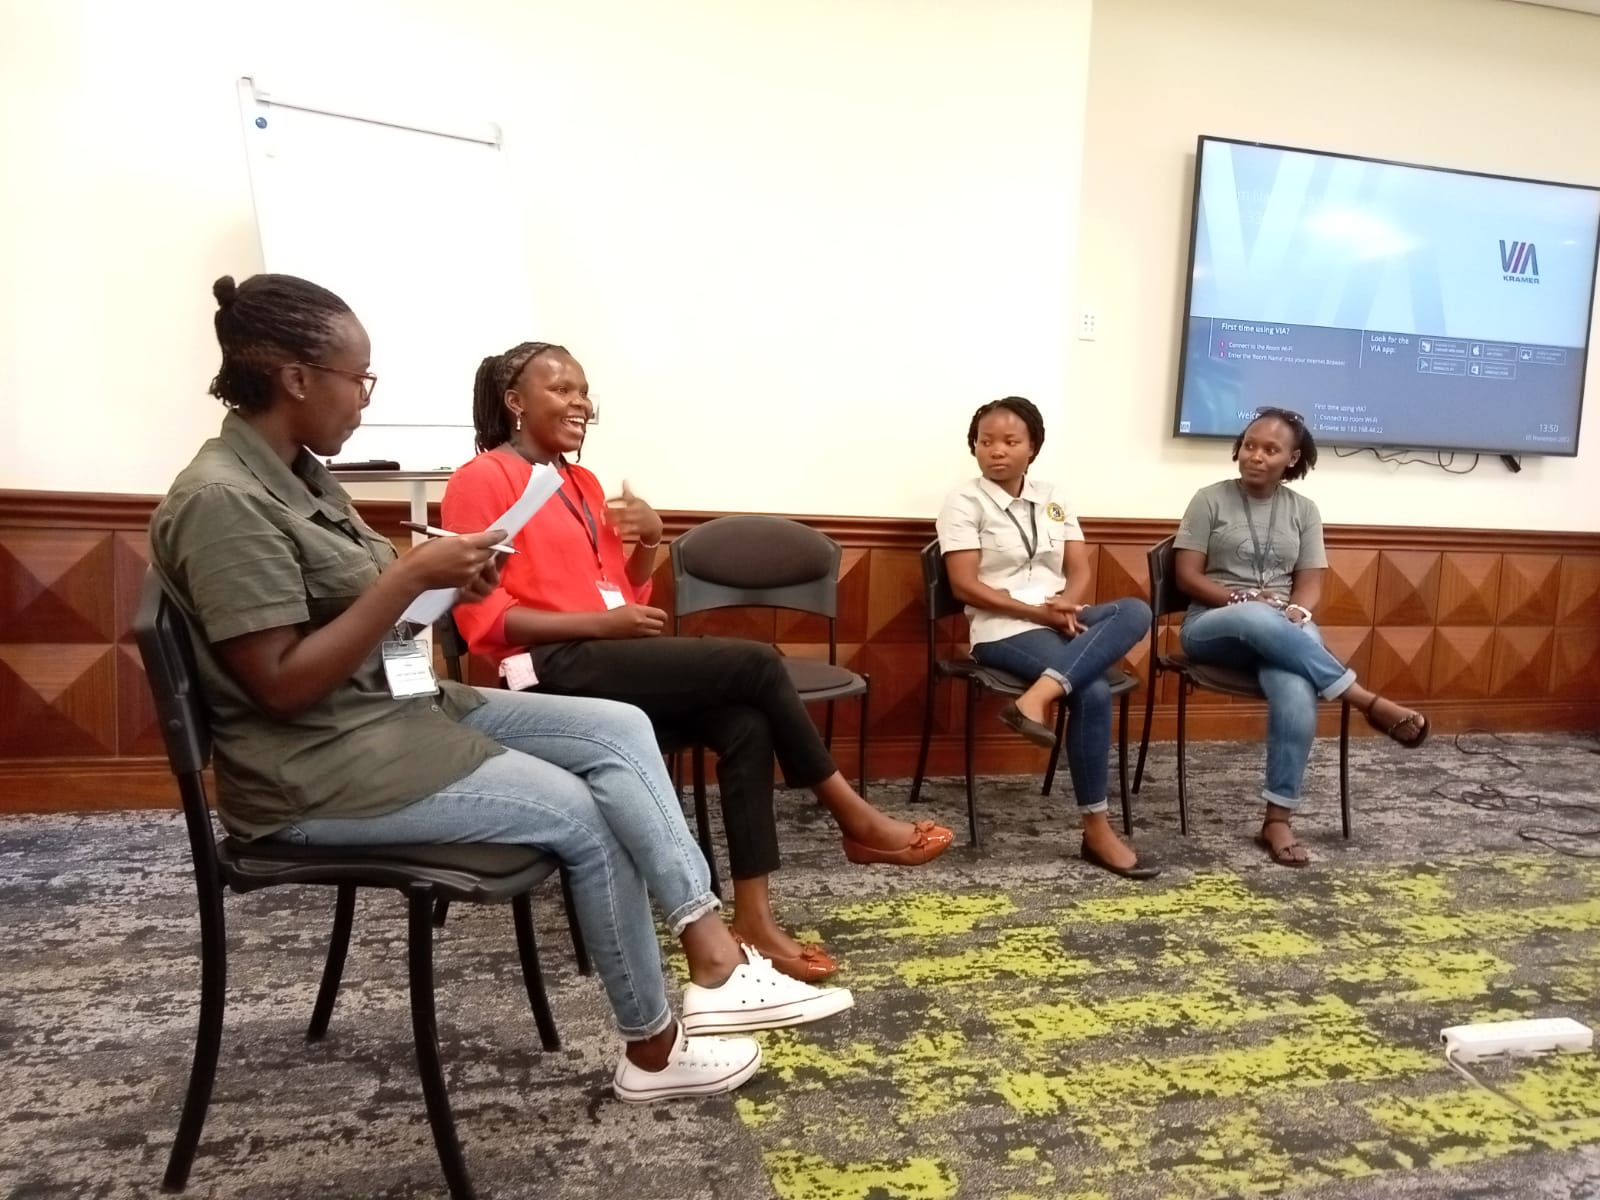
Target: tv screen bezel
1332, 440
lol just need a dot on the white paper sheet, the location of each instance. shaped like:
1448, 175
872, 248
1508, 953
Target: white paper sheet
542, 484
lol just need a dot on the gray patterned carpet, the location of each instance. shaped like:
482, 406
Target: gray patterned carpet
1025, 1026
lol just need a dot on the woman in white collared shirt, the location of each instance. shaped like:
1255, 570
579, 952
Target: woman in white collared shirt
1017, 559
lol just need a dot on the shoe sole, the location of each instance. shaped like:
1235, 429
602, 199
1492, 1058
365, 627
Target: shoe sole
685, 1091
779, 1016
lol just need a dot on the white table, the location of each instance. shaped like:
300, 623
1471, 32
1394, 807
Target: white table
419, 481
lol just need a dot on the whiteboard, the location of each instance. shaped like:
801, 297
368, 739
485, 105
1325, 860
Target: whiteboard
412, 222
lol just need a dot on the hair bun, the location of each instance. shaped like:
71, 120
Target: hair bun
226, 291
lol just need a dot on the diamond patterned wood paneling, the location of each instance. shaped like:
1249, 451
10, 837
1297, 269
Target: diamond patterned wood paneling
1408, 587
1499, 628
1463, 660
1522, 658
1469, 588
1529, 588
1350, 588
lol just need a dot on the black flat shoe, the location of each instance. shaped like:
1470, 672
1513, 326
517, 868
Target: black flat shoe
1137, 871
1040, 735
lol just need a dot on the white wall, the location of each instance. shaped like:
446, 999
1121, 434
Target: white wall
794, 246
1478, 84
725, 194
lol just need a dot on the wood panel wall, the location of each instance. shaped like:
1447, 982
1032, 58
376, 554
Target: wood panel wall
1482, 628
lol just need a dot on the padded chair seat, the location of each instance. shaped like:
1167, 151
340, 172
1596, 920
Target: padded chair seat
467, 871
817, 680
1216, 679
1006, 683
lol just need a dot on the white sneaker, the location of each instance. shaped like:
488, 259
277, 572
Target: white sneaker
756, 996
705, 1066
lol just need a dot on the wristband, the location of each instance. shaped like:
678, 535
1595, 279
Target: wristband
1299, 608
650, 545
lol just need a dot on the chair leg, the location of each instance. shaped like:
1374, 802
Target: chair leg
207, 1040
532, 976
827, 727
1183, 778
1122, 766
425, 1033
702, 818
1055, 751
1149, 717
344, 914
441, 910
1344, 768
927, 738
972, 784
861, 737
580, 948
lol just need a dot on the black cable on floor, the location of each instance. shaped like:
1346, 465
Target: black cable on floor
1488, 797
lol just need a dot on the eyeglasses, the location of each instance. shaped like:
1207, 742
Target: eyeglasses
368, 381
1283, 414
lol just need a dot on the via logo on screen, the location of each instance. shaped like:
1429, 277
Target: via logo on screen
1519, 261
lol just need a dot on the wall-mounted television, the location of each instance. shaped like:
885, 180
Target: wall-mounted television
1392, 305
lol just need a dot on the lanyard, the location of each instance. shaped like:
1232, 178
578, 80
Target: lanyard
586, 519
1031, 545
1272, 517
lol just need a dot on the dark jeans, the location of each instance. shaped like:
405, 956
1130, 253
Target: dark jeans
729, 694
1081, 663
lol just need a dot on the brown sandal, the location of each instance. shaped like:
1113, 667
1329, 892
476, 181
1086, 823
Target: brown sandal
1418, 722
1281, 854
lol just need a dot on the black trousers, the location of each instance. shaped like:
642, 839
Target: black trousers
726, 693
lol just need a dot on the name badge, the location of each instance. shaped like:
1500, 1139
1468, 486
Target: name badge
612, 595
407, 668
518, 672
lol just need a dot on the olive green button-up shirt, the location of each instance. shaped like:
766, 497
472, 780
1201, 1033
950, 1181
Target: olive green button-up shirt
245, 543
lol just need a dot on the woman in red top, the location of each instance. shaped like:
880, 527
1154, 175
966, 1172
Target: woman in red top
576, 600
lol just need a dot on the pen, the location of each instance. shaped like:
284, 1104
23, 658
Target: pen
435, 531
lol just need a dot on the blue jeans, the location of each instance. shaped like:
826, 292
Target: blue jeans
1293, 670
582, 781
1079, 664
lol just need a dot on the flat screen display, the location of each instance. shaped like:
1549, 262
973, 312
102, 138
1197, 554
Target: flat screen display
1391, 305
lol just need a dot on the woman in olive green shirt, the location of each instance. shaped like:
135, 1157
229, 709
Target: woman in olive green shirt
293, 603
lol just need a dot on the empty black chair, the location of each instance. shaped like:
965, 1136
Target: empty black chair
771, 562
940, 602
482, 873
1167, 598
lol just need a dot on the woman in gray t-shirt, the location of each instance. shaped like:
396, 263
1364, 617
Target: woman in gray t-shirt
1250, 556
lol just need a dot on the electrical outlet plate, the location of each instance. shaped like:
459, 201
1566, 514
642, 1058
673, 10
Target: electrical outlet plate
1468, 1043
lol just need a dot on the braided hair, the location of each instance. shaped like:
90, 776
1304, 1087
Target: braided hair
263, 323
1022, 408
1303, 441
491, 420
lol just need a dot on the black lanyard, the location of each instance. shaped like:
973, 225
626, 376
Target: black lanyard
586, 519
1272, 517
1029, 544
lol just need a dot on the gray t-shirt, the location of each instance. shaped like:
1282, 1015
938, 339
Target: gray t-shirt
1286, 540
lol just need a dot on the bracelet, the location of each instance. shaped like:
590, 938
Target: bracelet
650, 545
1299, 608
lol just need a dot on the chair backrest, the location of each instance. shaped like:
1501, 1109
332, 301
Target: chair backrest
168, 655
937, 598
1165, 594
163, 637
766, 562
452, 646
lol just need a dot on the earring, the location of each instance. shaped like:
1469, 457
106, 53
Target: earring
519, 422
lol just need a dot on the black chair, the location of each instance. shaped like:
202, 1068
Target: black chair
482, 873
940, 602
453, 649
1167, 598
770, 562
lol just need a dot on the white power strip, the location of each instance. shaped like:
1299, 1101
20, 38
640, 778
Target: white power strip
1469, 1043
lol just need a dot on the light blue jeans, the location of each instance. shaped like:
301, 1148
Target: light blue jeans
1293, 669
1080, 663
583, 781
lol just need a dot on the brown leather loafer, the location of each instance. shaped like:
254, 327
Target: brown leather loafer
810, 965
927, 843
1040, 735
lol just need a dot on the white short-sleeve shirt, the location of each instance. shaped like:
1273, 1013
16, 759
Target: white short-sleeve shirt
980, 515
